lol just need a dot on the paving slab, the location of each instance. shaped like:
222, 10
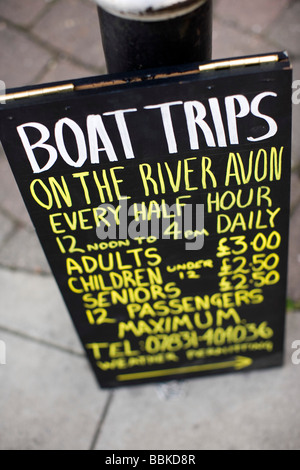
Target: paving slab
295, 191
286, 31
23, 251
7, 227
229, 42
294, 257
63, 69
255, 15
73, 27
49, 399
21, 59
11, 201
22, 13
32, 306
258, 410
296, 113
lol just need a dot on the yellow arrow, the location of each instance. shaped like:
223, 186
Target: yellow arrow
240, 362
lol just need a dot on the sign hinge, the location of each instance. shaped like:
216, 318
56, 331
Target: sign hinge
248, 61
37, 92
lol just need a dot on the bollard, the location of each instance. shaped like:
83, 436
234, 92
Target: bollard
141, 34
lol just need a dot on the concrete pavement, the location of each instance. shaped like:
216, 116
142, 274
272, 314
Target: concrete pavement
49, 397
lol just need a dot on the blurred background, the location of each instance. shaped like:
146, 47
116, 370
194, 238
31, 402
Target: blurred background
48, 396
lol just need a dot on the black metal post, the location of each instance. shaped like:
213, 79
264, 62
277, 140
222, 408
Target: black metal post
179, 34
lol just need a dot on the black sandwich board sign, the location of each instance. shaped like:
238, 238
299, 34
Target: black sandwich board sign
161, 200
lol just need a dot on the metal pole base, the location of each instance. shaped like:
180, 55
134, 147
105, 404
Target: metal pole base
131, 44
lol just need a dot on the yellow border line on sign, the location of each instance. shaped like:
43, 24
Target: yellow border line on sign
238, 363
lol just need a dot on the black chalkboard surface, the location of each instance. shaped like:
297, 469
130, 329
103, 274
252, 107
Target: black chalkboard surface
161, 200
